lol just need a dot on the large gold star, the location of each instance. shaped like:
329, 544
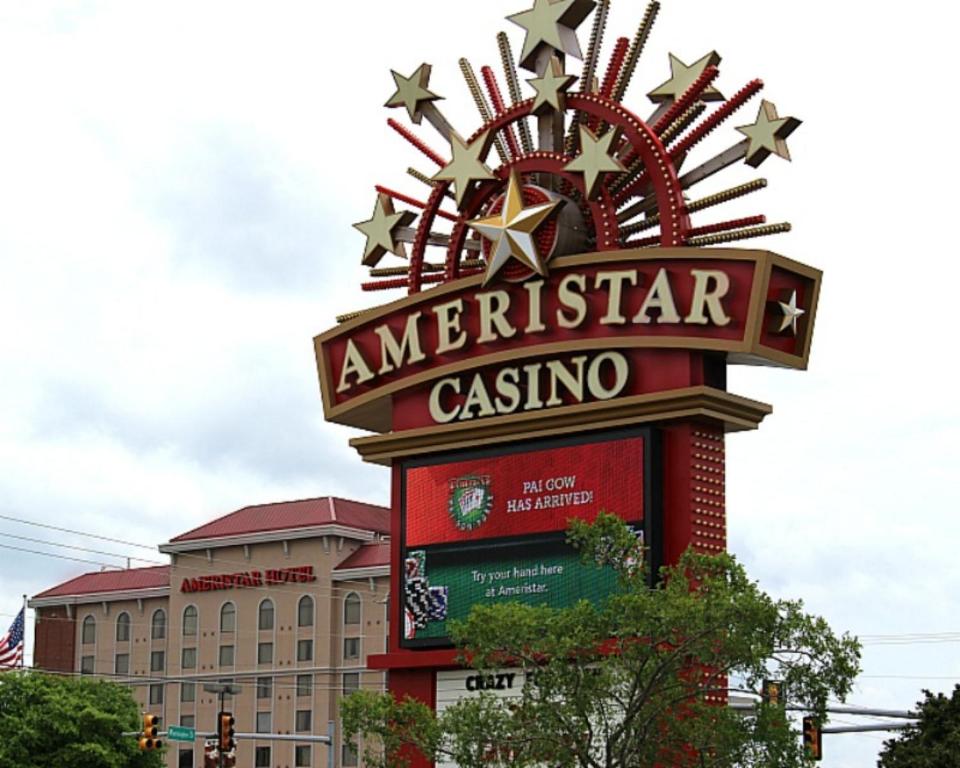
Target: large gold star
511, 231
551, 88
412, 91
768, 135
379, 231
465, 167
551, 24
683, 76
594, 159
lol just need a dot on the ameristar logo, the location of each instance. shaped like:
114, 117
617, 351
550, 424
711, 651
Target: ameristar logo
470, 501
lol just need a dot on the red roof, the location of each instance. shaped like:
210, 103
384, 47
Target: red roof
112, 581
367, 556
305, 513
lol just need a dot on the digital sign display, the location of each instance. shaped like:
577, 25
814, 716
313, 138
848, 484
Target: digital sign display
490, 526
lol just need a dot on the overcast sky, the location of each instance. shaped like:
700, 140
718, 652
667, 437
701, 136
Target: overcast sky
177, 184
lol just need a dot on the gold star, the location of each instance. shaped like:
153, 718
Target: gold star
465, 167
551, 88
768, 135
551, 24
412, 91
682, 77
791, 314
511, 231
379, 231
594, 159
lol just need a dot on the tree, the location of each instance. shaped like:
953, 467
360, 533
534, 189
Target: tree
933, 741
637, 681
47, 720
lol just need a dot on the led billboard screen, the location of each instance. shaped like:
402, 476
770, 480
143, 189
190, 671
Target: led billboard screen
489, 526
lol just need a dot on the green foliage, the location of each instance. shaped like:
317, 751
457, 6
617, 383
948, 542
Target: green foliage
933, 741
635, 681
46, 720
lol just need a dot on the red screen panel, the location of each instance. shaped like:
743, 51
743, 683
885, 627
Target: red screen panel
523, 493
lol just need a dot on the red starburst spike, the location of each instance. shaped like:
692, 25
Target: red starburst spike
614, 66
730, 106
496, 98
416, 142
411, 201
689, 96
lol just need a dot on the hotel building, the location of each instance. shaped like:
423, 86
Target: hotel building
286, 600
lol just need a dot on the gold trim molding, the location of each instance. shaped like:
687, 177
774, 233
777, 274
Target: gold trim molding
733, 412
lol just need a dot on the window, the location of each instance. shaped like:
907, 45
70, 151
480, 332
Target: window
158, 625
156, 693
351, 682
301, 755
265, 618
123, 628
349, 755
304, 685
261, 757
304, 650
188, 692
86, 665
188, 658
228, 617
263, 722
305, 611
185, 758
264, 653
121, 664
89, 630
157, 661
304, 720
226, 655
188, 721
351, 609
228, 681
351, 647
190, 621
264, 687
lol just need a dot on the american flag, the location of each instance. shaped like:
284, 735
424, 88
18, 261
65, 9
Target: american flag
11, 644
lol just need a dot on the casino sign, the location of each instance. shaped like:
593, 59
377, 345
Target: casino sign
568, 301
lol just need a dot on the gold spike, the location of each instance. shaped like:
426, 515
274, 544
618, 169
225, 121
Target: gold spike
727, 194
478, 98
513, 87
739, 234
422, 177
683, 122
636, 48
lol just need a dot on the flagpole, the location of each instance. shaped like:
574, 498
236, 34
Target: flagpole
23, 655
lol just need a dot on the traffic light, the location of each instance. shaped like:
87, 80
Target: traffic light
773, 692
812, 738
148, 733
225, 731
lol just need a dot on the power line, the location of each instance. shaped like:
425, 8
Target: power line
78, 548
76, 533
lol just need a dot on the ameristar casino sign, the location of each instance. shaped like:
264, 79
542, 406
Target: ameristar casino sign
568, 301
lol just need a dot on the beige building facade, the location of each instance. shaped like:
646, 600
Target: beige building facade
286, 600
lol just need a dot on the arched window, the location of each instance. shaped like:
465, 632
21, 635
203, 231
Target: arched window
123, 628
305, 611
89, 630
158, 625
265, 617
228, 617
351, 609
190, 620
